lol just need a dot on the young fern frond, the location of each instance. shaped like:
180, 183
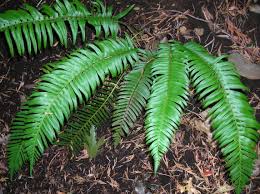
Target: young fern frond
91, 143
33, 29
235, 128
73, 80
168, 98
94, 113
131, 100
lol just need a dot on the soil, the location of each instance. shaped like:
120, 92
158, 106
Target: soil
193, 164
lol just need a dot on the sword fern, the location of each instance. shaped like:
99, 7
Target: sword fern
158, 84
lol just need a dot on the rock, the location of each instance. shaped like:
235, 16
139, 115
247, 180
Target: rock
244, 67
255, 8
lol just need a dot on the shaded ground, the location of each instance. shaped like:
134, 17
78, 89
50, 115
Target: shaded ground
192, 164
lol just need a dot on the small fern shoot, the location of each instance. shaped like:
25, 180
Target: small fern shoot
91, 144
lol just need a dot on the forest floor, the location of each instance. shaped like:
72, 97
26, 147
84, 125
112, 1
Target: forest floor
193, 164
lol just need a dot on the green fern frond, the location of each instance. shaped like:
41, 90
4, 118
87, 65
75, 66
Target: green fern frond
94, 113
168, 98
131, 100
92, 144
235, 128
32, 29
74, 79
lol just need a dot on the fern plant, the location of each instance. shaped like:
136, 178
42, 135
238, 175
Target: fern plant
157, 82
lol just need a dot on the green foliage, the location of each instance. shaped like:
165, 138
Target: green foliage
131, 100
157, 82
167, 100
72, 80
28, 26
91, 143
218, 86
95, 112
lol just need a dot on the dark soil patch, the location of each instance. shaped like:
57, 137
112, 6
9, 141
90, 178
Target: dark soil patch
128, 168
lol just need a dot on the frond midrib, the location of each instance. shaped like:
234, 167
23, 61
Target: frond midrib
57, 97
231, 107
164, 108
51, 19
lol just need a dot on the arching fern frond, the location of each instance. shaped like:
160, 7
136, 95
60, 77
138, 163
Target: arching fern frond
235, 128
32, 29
168, 98
58, 94
132, 99
94, 113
